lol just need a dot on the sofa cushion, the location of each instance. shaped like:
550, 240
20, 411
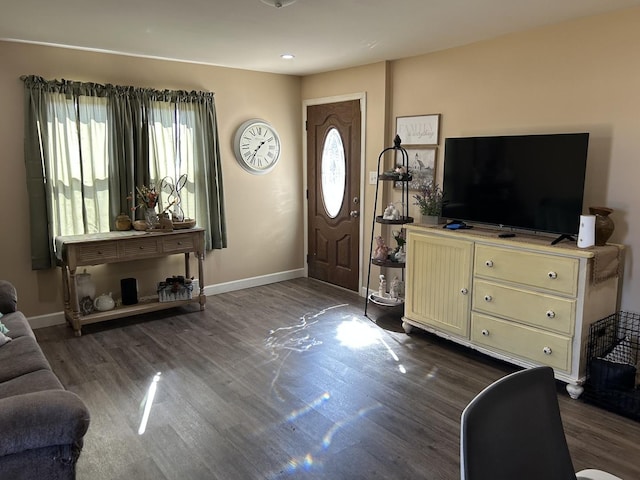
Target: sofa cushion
18, 325
21, 355
30, 382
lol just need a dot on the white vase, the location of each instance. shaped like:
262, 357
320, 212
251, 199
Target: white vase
84, 286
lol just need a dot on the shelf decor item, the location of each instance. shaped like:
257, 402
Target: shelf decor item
604, 224
421, 163
430, 201
123, 222
147, 197
150, 217
419, 129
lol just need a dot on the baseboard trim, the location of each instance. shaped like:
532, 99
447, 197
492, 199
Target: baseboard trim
57, 318
253, 282
48, 320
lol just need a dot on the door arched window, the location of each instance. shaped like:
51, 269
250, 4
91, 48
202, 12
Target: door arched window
333, 169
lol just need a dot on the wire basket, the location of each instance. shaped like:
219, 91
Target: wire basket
613, 364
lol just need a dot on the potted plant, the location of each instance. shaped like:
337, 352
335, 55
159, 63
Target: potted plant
430, 201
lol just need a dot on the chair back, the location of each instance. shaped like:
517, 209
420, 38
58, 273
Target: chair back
512, 430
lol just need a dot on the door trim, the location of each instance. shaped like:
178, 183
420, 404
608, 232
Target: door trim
363, 115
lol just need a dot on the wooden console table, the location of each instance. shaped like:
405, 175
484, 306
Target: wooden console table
96, 249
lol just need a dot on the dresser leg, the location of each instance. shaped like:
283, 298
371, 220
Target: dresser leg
574, 390
407, 327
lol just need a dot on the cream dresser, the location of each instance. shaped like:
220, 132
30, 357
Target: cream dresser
100, 248
519, 299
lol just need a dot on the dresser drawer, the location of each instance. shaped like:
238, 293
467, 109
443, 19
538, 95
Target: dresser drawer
140, 248
556, 274
526, 342
178, 243
524, 306
97, 253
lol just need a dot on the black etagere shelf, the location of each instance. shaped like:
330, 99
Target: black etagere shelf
401, 177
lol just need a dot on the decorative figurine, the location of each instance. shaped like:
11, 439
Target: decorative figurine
400, 255
382, 251
391, 213
394, 291
382, 289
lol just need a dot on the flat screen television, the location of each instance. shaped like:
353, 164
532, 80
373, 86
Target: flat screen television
530, 182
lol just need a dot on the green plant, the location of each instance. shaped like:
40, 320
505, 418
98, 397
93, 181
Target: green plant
430, 199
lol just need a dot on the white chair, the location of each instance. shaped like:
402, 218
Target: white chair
512, 430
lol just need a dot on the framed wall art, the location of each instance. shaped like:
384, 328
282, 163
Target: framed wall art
422, 166
419, 129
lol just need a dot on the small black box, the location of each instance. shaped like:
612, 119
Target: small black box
129, 289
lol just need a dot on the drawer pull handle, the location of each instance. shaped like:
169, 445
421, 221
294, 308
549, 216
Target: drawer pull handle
99, 252
552, 275
489, 263
179, 243
547, 350
488, 298
141, 247
485, 332
464, 291
551, 314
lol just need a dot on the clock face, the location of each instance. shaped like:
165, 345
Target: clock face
257, 146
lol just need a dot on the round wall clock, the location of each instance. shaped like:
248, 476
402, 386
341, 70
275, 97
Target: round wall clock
257, 146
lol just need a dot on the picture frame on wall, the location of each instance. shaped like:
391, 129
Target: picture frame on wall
422, 166
419, 129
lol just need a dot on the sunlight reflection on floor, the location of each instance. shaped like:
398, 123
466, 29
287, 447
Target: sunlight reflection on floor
351, 332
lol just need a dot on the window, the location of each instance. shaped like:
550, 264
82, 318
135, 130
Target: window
333, 173
89, 146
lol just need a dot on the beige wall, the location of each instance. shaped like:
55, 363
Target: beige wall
264, 211
577, 76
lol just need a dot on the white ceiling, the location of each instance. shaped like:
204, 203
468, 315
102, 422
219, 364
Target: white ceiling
248, 34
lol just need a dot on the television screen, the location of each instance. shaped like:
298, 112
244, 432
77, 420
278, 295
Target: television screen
532, 182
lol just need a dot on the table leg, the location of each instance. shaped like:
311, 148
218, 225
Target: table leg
75, 307
65, 287
202, 297
187, 269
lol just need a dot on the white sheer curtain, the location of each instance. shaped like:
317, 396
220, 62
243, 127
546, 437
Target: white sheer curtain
77, 164
172, 129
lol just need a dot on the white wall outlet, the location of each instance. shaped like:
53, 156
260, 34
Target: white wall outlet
373, 178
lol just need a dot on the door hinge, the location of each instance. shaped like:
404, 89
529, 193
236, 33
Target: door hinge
306, 125
308, 258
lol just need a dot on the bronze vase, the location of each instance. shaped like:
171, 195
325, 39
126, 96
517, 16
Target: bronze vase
123, 222
604, 224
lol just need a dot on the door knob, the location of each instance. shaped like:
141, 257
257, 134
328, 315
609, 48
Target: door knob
354, 213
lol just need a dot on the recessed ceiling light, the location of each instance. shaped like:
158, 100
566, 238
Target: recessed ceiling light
278, 3
287, 56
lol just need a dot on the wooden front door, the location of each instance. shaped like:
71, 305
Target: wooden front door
333, 180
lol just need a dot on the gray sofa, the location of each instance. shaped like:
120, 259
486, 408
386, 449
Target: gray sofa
41, 424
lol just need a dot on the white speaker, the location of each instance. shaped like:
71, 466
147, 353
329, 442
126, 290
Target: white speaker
587, 231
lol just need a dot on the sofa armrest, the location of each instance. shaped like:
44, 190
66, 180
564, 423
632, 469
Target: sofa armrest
41, 419
8, 297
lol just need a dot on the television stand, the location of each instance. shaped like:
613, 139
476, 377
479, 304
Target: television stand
564, 236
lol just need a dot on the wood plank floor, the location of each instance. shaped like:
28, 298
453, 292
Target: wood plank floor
290, 380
